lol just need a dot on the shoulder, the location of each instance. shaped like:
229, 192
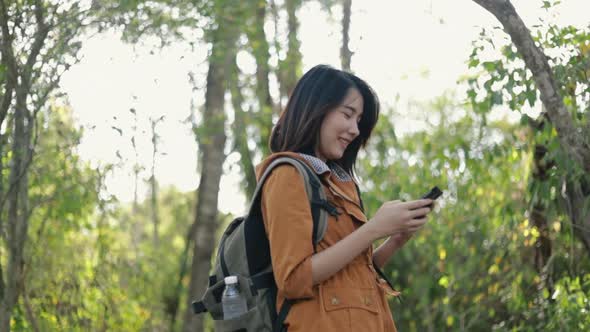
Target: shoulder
284, 175
263, 166
284, 186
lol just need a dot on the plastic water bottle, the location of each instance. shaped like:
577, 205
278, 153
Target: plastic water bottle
232, 301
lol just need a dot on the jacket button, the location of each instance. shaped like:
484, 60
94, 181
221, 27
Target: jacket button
368, 301
335, 301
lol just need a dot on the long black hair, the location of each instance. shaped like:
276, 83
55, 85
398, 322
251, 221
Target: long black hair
317, 92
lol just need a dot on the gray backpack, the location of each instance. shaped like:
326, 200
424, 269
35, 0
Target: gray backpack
244, 251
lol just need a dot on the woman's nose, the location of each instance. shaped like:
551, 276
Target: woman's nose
354, 129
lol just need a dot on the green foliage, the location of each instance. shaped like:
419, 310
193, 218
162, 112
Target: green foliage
167, 20
92, 263
504, 82
92, 269
472, 267
62, 195
480, 170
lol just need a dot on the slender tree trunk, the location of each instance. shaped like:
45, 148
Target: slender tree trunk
290, 68
173, 302
17, 191
580, 217
154, 209
154, 183
211, 146
135, 222
277, 48
17, 213
538, 216
3, 141
8, 82
136, 166
29, 310
345, 53
240, 126
18, 203
260, 49
573, 140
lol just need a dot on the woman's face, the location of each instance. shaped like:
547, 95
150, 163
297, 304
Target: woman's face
340, 127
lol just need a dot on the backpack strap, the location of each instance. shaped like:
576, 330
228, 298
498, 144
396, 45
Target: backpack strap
285, 307
320, 207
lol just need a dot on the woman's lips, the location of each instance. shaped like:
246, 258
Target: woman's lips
344, 142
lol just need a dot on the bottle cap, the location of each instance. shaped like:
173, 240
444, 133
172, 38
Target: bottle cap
231, 280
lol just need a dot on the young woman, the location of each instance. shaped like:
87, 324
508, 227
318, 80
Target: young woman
329, 117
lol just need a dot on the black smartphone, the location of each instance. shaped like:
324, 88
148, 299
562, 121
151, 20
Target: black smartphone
434, 193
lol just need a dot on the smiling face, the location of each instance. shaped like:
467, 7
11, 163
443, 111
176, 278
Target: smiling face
340, 127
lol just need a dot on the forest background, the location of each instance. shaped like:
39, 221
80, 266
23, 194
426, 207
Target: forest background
112, 196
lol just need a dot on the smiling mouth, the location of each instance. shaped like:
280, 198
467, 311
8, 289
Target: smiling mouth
346, 142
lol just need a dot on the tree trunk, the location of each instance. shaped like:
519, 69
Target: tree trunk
538, 216
572, 139
154, 208
19, 76
154, 183
17, 215
260, 49
574, 201
290, 68
172, 303
240, 126
345, 53
211, 146
277, 48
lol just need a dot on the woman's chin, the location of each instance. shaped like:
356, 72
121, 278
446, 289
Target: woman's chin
336, 155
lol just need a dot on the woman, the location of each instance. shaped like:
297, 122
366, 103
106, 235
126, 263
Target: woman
329, 117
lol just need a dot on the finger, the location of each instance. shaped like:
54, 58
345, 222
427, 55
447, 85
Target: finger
417, 223
413, 230
419, 213
412, 205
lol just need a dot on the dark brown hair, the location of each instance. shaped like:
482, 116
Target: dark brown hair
317, 92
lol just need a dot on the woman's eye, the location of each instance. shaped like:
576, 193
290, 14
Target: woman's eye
346, 115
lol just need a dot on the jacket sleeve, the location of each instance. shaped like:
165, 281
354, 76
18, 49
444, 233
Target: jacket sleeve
289, 226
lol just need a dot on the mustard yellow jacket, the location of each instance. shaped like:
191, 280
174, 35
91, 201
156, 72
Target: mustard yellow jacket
354, 299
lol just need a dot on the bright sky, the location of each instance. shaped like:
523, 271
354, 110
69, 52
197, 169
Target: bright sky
394, 44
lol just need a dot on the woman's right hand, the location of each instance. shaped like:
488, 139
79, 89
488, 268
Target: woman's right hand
399, 217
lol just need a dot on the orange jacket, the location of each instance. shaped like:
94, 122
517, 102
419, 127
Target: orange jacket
354, 299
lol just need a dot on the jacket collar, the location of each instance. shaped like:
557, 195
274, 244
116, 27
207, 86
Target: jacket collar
320, 167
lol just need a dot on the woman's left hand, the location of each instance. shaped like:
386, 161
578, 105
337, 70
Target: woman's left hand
400, 239
391, 245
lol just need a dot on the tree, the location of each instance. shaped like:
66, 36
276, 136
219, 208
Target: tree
573, 136
62, 199
211, 137
345, 52
153, 183
290, 68
38, 43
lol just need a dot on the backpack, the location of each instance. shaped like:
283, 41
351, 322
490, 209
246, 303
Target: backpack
244, 251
